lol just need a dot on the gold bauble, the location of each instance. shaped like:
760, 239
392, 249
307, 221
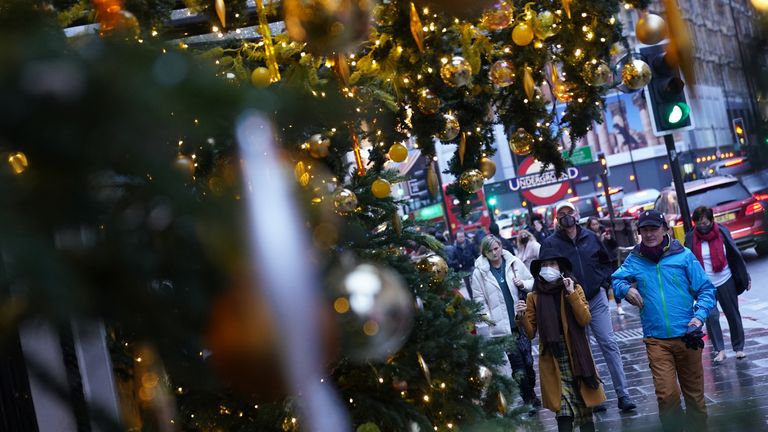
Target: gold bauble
497, 19
488, 167
121, 24
636, 74
521, 142
344, 201
522, 34
428, 102
651, 29
398, 152
185, 166
598, 74
457, 72
327, 26
318, 146
381, 188
563, 91
260, 77
18, 162
471, 180
451, 129
502, 73
435, 266
761, 5
545, 25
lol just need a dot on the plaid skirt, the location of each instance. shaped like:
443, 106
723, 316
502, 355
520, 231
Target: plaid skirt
571, 402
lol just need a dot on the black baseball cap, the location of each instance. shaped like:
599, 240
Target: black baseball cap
653, 218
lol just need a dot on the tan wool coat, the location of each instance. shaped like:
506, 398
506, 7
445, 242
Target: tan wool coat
549, 371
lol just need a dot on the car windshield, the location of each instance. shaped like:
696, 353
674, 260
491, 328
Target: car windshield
641, 197
717, 195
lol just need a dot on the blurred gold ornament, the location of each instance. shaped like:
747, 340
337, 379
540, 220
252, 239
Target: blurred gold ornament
301, 173
528, 84
471, 180
435, 266
501, 404
381, 188
545, 25
185, 165
502, 73
567, 7
457, 72
417, 29
344, 201
397, 224
761, 5
462, 148
260, 77
398, 152
318, 146
636, 74
424, 368
122, 24
432, 183
498, 18
18, 162
680, 51
356, 150
428, 102
651, 29
598, 74
521, 142
221, 12
451, 128
488, 167
522, 34
560, 89
327, 26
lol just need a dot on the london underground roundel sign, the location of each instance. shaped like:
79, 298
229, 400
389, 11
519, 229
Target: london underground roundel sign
538, 187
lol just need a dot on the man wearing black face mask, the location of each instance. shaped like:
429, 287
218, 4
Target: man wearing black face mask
592, 269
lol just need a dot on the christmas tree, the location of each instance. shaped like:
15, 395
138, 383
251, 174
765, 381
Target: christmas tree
124, 193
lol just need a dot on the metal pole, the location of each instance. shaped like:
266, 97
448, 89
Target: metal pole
674, 165
609, 202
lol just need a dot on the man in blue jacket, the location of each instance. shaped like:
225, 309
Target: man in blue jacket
592, 268
667, 283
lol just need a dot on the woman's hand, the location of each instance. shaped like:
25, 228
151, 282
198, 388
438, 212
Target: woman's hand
569, 286
520, 308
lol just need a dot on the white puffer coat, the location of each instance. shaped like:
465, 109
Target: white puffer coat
486, 291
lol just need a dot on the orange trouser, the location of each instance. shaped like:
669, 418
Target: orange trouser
672, 362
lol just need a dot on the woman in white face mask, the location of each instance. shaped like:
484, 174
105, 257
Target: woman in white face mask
558, 309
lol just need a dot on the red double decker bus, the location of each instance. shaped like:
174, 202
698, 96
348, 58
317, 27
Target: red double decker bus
477, 217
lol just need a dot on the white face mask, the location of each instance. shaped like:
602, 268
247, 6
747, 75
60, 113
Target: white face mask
549, 274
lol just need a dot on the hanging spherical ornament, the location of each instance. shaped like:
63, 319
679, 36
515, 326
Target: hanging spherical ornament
260, 77
451, 128
563, 91
318, 146
344, 201
521, 142
545, 25
398, 152
326, 26
457, 72
428, 102
498, 18
761, 5
381, 188
18, 162
435, 266
471, 180
651, 29
502, 73
522, 34
120, 24
636, 74
488, 167
375, 311
598, 74
185, 166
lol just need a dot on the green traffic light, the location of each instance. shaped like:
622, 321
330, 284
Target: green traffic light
677, 113
492, 201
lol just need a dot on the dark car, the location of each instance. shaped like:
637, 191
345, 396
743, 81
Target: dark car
757, 185
734, 207
733, 167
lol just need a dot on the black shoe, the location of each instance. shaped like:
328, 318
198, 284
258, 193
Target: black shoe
625, 404
599, 408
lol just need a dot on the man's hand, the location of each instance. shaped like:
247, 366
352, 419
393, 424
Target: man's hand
634, 298
518, 282
695, 322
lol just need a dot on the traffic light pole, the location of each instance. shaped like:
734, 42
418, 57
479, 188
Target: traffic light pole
674, 165
608, 201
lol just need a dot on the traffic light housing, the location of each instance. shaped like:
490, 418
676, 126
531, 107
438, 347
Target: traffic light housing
492, 201
739, 131
604, 170
668, 105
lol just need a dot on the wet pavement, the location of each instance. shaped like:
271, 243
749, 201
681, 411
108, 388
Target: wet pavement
736, 390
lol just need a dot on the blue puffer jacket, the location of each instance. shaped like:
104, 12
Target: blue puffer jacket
668, 288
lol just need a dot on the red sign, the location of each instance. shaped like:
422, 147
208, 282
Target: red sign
553, 188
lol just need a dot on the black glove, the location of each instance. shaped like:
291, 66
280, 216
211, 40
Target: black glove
694, 339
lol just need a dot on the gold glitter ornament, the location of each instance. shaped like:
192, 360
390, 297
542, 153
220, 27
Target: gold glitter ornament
497, 19
18, 162
435, 266
545, 25
651, 29
327, 26
398, 152
451, 129
428, 102
457, 72
502, 73
381, 188
318, 146
636, 74
344, 201
521, 142
522, 34
471, 180
488, 167
598, 74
